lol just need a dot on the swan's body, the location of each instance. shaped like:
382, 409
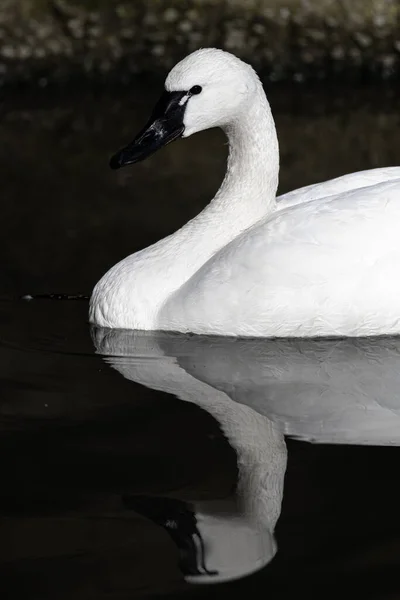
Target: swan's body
320, 261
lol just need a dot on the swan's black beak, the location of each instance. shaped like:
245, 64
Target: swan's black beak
164, 126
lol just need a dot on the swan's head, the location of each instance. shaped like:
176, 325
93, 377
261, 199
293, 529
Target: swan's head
208, 88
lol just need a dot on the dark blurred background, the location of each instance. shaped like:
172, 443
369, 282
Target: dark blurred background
80, 77
56, 40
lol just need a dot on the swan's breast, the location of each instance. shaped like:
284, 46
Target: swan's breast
126, 296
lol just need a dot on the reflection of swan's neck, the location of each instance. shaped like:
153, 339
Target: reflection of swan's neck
238, 541
261, 456
261, 453
243, 541
260, 447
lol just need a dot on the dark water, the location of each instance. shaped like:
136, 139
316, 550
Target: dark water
140, 465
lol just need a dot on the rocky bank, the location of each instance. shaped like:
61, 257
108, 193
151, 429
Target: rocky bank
60, 40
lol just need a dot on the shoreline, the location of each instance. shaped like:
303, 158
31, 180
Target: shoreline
61, 41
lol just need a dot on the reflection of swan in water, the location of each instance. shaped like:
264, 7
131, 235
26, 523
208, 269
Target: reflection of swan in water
222, 539
338, 390
343, 391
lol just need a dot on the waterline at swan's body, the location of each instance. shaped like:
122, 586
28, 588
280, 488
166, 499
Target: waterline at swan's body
320, 261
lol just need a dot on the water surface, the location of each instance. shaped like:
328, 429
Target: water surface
139, 465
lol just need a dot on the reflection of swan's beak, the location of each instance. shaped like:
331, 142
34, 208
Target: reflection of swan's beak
179, 520
212, 548
234, 547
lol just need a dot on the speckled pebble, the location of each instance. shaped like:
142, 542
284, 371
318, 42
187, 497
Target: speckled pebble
338, 53
8, 51
171, 15
158, 50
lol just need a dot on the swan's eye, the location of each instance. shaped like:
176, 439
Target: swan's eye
196, 89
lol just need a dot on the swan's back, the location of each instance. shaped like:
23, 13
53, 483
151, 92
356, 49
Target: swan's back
339, 185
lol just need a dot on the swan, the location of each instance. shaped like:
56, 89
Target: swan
320, 261
236, 533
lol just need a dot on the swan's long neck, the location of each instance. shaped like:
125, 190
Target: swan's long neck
132, 292
248, 191
251, 181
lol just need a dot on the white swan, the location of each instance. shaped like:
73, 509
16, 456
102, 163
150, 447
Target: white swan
320, 261
237, 533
